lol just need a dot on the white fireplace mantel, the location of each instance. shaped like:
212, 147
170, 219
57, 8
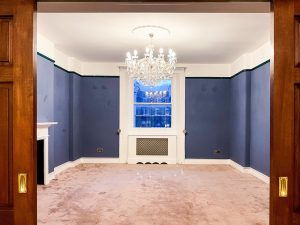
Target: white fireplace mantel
43, 134
46, 124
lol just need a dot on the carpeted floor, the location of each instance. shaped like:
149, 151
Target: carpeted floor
119, 194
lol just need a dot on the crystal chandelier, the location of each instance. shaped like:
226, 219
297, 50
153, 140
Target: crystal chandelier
151, 69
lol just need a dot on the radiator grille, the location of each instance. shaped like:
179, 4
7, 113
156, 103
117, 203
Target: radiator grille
152, 146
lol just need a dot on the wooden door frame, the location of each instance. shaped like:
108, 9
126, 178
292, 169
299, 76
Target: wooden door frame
118, 6
18, 112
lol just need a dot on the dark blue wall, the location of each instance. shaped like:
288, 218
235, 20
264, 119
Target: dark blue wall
75, 117
45, 100
232, 115
207, 113
250, 118
62, 116
239, 117
86, 109
45, 82
100, 116
260, 119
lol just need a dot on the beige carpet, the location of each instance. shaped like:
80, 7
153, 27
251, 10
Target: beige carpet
110, 194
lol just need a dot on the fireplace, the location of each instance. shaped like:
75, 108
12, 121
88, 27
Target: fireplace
40, 162
43, 176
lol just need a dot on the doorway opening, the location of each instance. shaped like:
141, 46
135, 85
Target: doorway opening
220, 110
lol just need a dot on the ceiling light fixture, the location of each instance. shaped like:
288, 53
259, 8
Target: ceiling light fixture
151, 69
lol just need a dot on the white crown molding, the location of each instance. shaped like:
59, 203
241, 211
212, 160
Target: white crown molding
68, 63
245, 61
45, 46
98, 68
252, 59
207, 70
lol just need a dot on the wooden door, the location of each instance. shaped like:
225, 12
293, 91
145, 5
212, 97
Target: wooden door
285, 113
17, 112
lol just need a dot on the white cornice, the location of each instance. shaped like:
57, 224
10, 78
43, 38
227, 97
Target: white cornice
45, 46
246, 61
252, 59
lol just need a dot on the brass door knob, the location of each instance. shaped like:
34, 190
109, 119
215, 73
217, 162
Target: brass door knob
119, 131
185, 132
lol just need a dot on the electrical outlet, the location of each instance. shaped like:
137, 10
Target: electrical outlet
99, 150
217, 151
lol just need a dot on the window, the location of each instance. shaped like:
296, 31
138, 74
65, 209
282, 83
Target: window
152, 105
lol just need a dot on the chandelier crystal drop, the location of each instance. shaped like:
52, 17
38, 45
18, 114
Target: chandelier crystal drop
151, 69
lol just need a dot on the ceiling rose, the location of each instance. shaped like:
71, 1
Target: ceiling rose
145, 30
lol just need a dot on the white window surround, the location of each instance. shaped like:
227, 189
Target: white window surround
174, 133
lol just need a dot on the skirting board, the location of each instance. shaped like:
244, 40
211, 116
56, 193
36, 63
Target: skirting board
230, 162
235, 165
79, 161
207, 161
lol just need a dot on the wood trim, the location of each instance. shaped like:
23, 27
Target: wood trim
6, 38
143, 1
296, 183
297, 41
6, 147
155, 6
24, 109
282, 109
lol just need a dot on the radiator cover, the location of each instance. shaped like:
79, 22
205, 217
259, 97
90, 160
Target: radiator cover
152, 146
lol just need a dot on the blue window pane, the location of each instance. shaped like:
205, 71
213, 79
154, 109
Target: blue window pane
155, 94
152, 106
153, 115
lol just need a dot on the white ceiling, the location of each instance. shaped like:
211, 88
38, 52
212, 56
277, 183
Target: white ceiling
196, 37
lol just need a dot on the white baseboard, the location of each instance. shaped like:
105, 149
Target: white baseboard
63, 167
207, 161
230, 162
251, 171
77, 162
51, 176
99, 160
259, 175
238, 166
